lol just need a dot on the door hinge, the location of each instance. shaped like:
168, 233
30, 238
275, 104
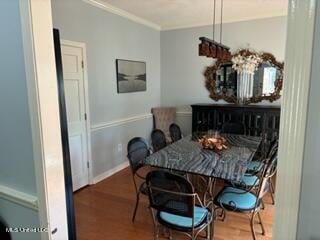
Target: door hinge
82, 64
85, 117
88, 165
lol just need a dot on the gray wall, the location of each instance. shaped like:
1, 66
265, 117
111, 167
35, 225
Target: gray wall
182, 69
108, 37
16, 164
182, 80
309, 212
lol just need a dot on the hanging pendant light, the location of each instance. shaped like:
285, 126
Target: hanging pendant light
211, 48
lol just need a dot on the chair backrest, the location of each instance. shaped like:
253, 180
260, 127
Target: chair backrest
170, 193
158, 140
162, 118
138, 149
268, 171
233, 128
175, 132
272, 147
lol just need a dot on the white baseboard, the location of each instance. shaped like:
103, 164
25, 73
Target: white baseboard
110, 172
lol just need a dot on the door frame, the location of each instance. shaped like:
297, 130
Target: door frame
82, 45
41, 81
293, 122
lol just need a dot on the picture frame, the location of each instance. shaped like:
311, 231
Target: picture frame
131, 76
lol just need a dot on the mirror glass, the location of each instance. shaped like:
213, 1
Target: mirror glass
264, 80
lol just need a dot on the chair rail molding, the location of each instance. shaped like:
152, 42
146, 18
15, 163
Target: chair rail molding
120, 121
18, 197
300, 33
184, 114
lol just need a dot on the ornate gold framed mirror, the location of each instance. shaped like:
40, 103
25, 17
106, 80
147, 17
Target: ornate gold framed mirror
246, 77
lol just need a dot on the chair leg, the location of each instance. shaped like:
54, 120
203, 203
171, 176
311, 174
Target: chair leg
262, 204
155, 226
136, 207
252, 226
261, 223
223, 215
272, 191
170, 234
209, 232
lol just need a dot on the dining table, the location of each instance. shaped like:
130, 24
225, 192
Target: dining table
188, 156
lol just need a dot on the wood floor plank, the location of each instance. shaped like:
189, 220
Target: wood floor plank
104, 211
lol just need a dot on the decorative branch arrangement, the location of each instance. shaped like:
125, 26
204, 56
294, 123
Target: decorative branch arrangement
246, 62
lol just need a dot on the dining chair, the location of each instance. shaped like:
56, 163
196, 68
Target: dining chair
162, 118
138, 149
233, 128
175, 132
248, 200
158, 139
175, 205
256, 166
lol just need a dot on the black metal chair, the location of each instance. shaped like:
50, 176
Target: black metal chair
158, 139
255, 166
175, 132
248, 200
233, 128
175, 205
138, 149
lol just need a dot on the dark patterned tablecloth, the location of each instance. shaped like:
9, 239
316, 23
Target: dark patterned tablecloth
187, 155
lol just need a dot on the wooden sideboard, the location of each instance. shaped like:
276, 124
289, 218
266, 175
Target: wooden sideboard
259, 120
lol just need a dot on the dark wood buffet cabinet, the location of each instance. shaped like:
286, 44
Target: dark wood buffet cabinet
259, 120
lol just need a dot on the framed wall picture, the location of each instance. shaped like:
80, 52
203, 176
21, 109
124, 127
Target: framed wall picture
131, 76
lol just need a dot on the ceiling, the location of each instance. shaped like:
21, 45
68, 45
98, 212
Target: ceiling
173, 14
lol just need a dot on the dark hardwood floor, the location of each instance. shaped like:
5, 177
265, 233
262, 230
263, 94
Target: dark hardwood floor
104, 211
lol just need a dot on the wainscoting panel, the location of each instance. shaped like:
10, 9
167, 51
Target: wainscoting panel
109, 143
17, 215
19, 209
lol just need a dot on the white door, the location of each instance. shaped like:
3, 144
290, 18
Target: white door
73, 73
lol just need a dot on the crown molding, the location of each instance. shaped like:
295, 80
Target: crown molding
112, 9
122, 13
258, 17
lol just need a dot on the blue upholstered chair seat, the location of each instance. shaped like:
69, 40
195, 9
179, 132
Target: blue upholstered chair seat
236, 199
254, 166
250, 180
185, 222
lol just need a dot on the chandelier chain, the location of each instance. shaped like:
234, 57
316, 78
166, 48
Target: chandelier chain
221, 16
214, 19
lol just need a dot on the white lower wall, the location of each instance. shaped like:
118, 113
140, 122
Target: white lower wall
109, 143
16, 215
